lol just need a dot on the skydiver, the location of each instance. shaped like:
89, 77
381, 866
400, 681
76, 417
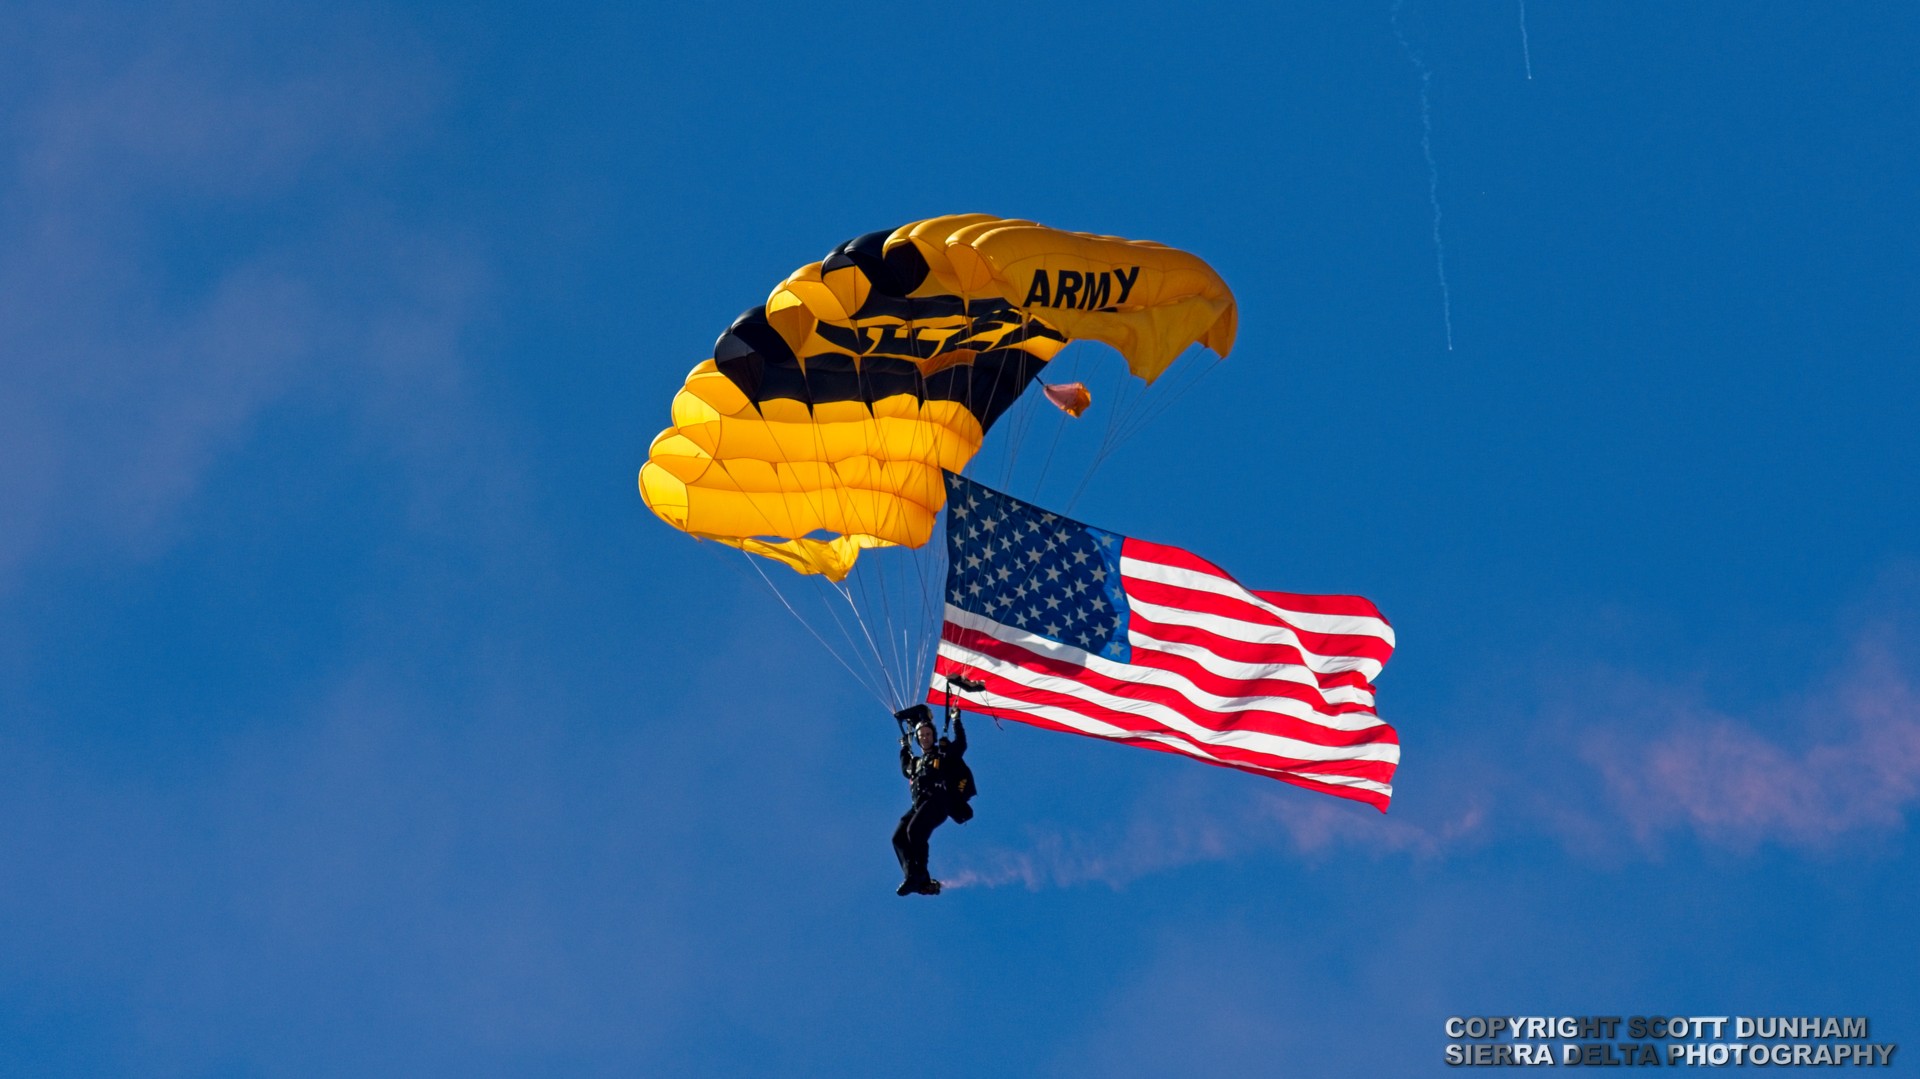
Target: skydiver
941, 783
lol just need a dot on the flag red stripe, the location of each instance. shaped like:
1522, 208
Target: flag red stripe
1354, 606
1378, 799
1252, 719
1265, 671
1212, 603
1243, 651
1169, 556
1145, 551
1350, 606
1001, 687
1221, 685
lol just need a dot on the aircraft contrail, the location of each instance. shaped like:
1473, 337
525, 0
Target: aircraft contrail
1526, 51
1433, 170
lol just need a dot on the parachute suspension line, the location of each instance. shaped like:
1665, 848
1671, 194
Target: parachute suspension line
1021, 422
1128, 397
1140, 413
866, 566
863, 567
1433, 171
1015, 416
872, 661
901, 659
871, 657
894, 673
864, 682
966, 305
849, 508
1111, 404
964, 575
1020, 415
933, 600
1126, 401
910, 650
1053, 447
937, 570
932, 603
932, 553
932, 563
1150, 411
866, 631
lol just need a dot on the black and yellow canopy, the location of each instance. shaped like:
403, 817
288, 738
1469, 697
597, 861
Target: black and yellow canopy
822, 423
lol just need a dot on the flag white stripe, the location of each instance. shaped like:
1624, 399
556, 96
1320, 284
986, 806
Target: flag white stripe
1215, 663
1172, 680
1311, 621
1235, 629
1159, 714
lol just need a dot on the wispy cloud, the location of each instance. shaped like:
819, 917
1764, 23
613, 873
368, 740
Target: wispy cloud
1597, 759
1179, 826
1850, 766
169, 270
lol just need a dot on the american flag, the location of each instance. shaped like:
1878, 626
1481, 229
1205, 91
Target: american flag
1077, 629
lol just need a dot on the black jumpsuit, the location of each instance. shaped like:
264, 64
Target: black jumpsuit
931, 800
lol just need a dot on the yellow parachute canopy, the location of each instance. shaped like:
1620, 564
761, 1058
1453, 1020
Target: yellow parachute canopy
822, 423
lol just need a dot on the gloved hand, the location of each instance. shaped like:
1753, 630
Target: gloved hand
903, 741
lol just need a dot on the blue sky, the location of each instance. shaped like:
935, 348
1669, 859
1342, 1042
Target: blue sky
357, 719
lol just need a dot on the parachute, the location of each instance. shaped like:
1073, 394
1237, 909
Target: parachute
822, 424
830, 423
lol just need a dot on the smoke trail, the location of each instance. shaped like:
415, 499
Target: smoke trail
1433, 170
1526, 51
1173, 829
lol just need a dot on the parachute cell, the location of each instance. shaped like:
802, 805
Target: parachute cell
822, 423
